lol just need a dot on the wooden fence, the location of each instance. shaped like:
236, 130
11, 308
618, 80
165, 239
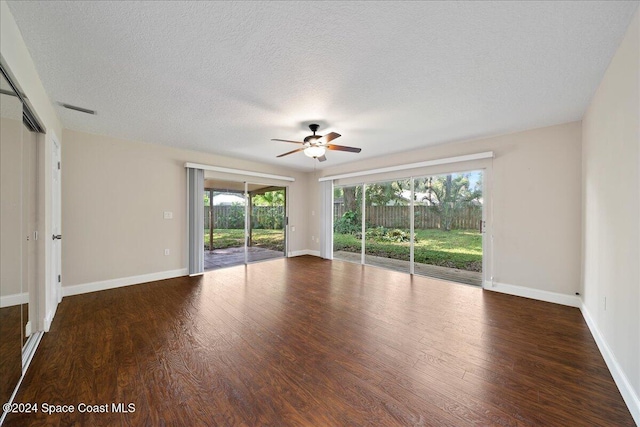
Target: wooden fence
467, 218
233, 216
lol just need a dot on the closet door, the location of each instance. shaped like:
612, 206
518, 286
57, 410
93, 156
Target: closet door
29, 227
12, 291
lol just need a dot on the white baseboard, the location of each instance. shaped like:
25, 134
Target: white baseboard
304, 252
626, 390
14, 299
47, 321
124, 281
622, 382
538, 294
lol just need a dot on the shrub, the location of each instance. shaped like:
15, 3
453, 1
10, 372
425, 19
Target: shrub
348, 224
229, 217
397, 235
382, 234
271, 219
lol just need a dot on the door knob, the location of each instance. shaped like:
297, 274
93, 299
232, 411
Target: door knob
57, 236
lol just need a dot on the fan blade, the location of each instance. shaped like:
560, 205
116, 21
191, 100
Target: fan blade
322, 158
291, 152
343, 148
328, 138
286, 140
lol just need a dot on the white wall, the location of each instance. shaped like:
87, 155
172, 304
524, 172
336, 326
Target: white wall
611, 215
114, 193
535, 190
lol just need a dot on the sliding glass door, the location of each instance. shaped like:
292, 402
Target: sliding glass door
267, 222
224, 222
448, 226
347, 223
429, 225
243, 222
387, 226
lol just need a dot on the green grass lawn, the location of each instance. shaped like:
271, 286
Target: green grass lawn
460, 249
229, 238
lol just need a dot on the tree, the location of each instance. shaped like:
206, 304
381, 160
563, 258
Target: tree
448, 194
385, 193
379, 194
270, 198
271, 205
350, 221
350, 199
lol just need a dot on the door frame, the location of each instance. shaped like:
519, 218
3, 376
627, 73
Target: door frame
56, 219
285, 222
247, 214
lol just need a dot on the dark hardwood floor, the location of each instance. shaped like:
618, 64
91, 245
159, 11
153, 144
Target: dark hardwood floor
10, 350
305, 341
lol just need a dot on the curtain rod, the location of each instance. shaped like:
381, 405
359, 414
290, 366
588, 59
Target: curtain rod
444, 161
237, 171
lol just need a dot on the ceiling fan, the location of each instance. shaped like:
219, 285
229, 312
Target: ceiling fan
315, 145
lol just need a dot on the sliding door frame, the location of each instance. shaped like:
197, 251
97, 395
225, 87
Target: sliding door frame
487, 215
237, 175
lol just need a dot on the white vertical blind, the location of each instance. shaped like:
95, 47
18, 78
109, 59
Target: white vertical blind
326, 212
195, 213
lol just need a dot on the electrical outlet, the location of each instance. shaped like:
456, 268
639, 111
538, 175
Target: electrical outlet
168, 215
293, 229
166, 252
313, 238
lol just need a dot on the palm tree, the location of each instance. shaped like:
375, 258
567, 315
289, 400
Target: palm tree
447, 194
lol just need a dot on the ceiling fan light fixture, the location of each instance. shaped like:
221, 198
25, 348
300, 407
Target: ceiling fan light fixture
314, 151
315, 146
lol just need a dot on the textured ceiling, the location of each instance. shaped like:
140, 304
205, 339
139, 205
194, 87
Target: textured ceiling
225, 77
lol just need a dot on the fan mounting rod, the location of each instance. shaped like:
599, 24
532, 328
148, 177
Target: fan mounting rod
312, 139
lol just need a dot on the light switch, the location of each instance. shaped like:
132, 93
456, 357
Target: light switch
293, 228
168, 215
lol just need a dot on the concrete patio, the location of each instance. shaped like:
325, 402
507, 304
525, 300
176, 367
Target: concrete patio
435, 271
220, 258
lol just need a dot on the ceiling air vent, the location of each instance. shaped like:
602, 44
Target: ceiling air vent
80, 109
